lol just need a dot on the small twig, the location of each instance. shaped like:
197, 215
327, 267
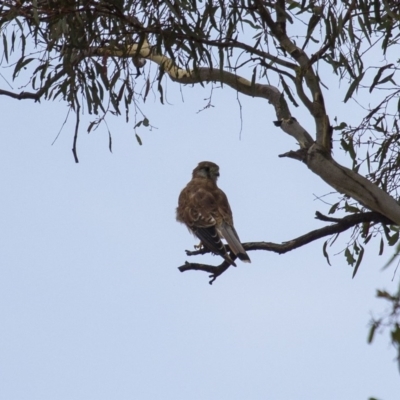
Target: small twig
62, 126
240, 114
370, 216
78, 109
34, 95
300, 155
325, 218
215, 271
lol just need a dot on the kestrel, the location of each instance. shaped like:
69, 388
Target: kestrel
204, 208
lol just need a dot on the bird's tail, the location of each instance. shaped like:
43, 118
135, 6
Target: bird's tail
231, 236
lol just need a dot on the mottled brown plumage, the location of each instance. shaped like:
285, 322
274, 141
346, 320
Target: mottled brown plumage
204, 208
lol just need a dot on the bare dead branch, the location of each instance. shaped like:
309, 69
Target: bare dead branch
339, 226
214, 271
299, 155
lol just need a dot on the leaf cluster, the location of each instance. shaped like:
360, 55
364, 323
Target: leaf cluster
390, 319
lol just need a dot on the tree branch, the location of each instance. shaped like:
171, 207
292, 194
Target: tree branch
318, 111
354, 185
339, 226
34, 95
214, 271
318, 158
299, 155
329, 40
281, 14
227, 43
74, 149
242, 85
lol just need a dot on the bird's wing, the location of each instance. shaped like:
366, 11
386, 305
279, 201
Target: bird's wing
196, 206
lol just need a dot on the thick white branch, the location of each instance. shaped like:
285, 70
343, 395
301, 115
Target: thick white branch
317, 159
242, 85
349, 182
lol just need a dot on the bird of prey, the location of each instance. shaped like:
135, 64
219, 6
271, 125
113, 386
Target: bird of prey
204, 208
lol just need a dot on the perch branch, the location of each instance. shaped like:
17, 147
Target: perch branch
339, 226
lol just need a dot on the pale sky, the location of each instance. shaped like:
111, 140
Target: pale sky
92, 305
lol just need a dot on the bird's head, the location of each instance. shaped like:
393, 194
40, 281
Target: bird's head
206, 169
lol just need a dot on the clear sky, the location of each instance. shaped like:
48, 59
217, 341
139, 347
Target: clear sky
92, 305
